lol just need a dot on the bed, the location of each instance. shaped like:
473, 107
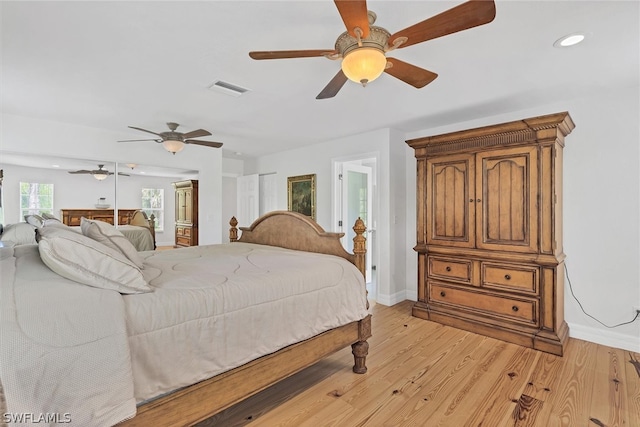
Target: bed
113, 349
141, 231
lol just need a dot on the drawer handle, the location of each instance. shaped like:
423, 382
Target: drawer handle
448, 268
442, 293
514, 308
508, 277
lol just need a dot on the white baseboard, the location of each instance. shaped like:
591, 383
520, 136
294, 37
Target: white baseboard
608, 338
392, 299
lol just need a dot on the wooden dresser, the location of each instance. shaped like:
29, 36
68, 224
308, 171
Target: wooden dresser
489, 230
186, 212
72, 217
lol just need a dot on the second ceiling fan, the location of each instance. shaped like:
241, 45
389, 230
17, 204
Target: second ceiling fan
174, 141
363, 46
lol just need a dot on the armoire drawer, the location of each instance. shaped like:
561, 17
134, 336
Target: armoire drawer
450, 268
510, 278
183, 231
517, 309
183, 241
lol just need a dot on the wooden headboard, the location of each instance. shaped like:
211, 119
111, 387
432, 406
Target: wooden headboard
292, 230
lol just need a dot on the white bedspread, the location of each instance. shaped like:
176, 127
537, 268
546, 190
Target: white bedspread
139, 236
67, 348
231, 304
63, 347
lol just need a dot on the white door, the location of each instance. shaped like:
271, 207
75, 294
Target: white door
268, 193
248, 199
357, 202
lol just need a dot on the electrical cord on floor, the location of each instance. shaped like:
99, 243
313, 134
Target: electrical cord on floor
566, 272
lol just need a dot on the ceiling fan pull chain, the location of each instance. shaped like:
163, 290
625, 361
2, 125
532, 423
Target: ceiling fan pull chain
359, 33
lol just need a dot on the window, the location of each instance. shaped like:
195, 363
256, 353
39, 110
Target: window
153, 204
35, 198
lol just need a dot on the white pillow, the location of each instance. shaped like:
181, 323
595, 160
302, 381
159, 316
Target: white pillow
110, 236
35, 220
19, 234
46, 215
55, 223
86, 261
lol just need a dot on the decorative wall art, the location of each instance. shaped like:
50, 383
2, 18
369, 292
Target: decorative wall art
301, 194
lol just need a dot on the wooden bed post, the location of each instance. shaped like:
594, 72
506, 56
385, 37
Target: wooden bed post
360, 246
233, 231
360, 349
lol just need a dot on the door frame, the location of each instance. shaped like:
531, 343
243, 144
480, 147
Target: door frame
368, 159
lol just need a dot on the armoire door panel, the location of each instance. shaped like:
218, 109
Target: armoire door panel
450, 209
506, 213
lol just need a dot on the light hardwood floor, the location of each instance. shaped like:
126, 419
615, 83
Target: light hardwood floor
425, 374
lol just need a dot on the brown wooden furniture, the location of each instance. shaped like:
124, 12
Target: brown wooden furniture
489, 230
186, 193
72, 217
202, 400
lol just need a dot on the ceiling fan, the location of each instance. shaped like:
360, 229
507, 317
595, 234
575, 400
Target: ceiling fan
363, 46
100, 174
174, 141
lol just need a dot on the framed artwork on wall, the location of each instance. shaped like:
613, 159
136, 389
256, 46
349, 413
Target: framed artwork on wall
301, 194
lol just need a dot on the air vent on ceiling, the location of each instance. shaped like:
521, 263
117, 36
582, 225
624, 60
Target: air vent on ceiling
228, 88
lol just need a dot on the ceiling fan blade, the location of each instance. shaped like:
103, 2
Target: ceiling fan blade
284, 54
334, 86
80, 172
123, 174
136, 140
462, 17
354, 15
196, 134
205, 143
144, 130
415, 76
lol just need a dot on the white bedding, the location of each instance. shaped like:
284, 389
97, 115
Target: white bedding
93, 353
139, 236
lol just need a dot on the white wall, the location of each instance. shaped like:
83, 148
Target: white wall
601, 211
28, 135
231, 169
317, 159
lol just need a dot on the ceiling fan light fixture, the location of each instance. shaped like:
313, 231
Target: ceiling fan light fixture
173, 145
364, 65
100, 175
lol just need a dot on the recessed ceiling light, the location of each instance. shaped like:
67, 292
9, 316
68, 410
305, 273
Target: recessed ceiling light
55, 166
569, 40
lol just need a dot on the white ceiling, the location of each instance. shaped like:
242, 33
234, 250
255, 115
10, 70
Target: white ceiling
110, 64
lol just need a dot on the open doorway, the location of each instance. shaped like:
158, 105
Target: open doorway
354, 196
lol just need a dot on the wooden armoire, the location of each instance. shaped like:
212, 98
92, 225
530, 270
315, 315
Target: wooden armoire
186, 193
489, 230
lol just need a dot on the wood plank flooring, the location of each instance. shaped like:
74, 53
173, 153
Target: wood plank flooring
425, 374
